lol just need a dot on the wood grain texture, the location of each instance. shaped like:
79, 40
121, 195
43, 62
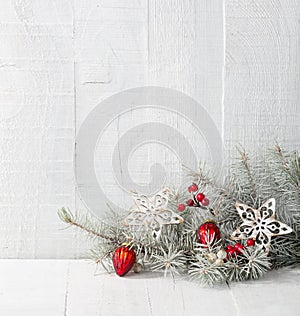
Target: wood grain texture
59, 59
37, 126
73, 287
176, 45
262, 74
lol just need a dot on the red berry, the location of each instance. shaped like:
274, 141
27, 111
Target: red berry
229, 248
250, 242
238, 247
205, 202
193, 188
181, 207
200, 197
190, 202
230, 252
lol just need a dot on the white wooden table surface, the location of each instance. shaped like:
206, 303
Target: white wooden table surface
70, 287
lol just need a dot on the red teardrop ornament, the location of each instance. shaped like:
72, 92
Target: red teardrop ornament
208, 233
123, 260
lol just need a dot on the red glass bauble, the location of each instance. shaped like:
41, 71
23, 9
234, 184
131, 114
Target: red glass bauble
123, 260
208, 233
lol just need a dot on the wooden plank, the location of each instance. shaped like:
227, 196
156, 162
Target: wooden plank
71, 288
36, 128
142, 294
33, 287
275, 295
262, 74
111, 55
186, 53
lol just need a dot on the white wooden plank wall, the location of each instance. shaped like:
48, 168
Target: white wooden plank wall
59, 59
37, 126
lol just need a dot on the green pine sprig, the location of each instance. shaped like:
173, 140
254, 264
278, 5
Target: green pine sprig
251, 180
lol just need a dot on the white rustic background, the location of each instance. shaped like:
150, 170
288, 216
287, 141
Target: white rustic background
58, 59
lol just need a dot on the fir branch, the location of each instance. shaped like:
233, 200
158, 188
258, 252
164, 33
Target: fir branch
172, 260
205, 272
202, 176
293, 178
143, 242
282, 159
178, 251
253, 263
245, 162
67, 217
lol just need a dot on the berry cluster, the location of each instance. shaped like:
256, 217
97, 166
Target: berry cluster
198, 198
238, 248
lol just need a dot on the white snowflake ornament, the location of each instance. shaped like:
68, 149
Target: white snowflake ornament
152, 212
260, 224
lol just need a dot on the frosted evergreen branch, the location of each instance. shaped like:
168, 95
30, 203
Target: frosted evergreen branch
206, 273
202, 176
178, 250
292, 175
171, 260
245, 163
67, 217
